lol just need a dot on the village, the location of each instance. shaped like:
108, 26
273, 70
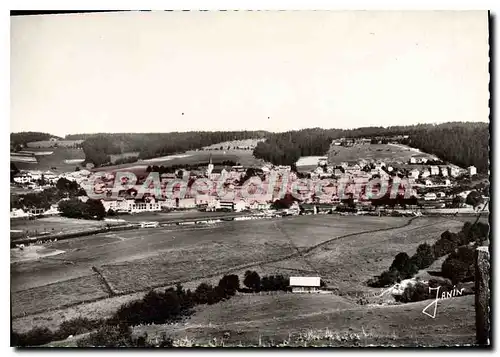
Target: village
429, 184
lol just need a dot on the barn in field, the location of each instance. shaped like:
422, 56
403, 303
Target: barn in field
302, 284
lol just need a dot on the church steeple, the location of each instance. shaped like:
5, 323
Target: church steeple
210, 166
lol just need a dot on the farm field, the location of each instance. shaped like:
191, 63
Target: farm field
125, 155
388, 152
50, 144
193, 157
53, 225
62, 158
55, 295
131, 261
252, 143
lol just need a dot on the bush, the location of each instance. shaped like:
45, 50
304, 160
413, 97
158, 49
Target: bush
447, 243
155, 307
400, 261
76, 326
207, 294
424, 256
408, 270
459, 266
113, 336
387, 278
420, 291
229, 284
475, 232
35, 337
252, 280
416, 292
74, 208
274, 283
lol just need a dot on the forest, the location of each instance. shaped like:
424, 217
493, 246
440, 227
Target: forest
22, 138
463, 144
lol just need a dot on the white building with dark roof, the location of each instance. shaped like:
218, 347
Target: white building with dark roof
302, 284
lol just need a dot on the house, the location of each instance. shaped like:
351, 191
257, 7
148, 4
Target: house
425, 174
322, 161
240, 168
138, 207
434, 170
428, 182
338, 172
226, 205
239, 206
454, 171
167, 176
413, 160
256, 205
444, 171
302, 284
284, 168
414, 173
15, 213
22, 178
186, 203
447, 182
35, 175
319, 170
472, 170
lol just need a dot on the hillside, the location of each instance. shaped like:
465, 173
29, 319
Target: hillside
445, 141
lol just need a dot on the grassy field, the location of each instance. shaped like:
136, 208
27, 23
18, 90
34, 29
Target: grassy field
243, 157
58, 159
387, 152
125, 155
50, 144
53, 225
246, 320
252, 143
56, 295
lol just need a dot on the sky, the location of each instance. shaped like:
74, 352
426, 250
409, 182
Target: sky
275, 71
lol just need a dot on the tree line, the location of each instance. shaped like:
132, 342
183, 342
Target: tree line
21, 139
463, 144
99, 147
458, 266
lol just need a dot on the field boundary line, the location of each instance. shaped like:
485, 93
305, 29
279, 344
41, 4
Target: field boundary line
208, 276
226, 271
101, 278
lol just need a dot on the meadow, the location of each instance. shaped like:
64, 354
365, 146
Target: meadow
387, 152
323, 319
192, 157
62, 158
337, 248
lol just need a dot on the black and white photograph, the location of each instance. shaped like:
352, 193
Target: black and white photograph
250, 179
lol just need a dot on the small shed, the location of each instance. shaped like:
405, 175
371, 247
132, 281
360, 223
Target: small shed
302, 284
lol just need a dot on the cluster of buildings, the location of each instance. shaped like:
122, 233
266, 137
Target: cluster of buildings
37, 180
214, 188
